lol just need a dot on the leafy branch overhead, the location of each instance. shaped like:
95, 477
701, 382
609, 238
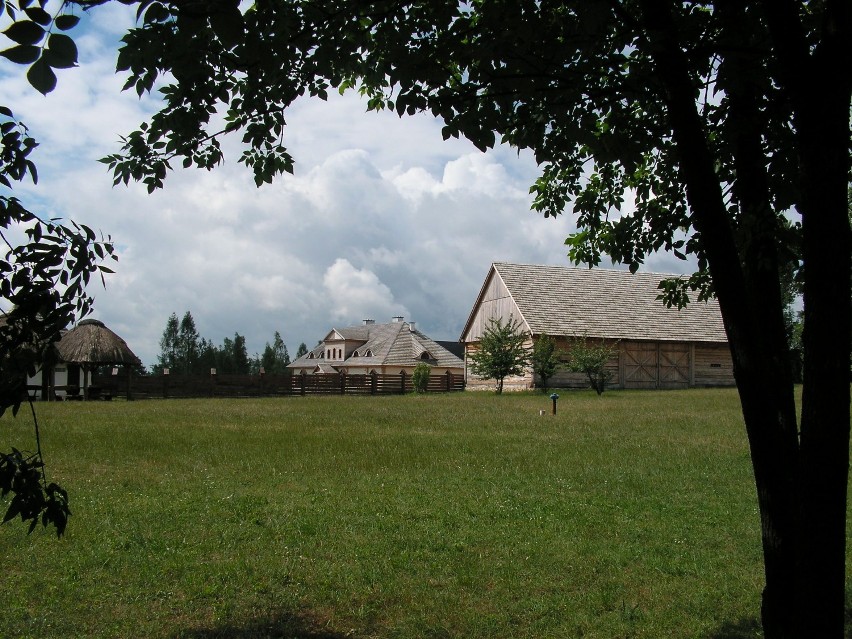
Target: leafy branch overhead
40, 42
42, 279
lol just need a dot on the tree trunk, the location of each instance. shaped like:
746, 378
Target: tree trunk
801, 488
819, 85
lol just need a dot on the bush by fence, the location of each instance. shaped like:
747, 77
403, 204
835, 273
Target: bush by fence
165, 386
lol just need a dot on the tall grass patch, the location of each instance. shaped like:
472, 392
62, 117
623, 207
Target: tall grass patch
463, 515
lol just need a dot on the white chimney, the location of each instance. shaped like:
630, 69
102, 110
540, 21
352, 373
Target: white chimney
367, 322
397, 319
412, 326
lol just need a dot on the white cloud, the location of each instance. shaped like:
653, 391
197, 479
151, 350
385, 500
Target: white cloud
355, 292
381, 218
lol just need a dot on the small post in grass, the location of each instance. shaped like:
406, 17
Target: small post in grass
554, 397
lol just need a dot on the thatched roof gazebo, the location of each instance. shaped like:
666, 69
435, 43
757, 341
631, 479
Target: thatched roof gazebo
91, 344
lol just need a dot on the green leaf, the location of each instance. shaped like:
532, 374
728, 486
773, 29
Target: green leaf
62, 50
14, 510
25, 32
41, 77
66, 22
37, 14
21, 54
227, 24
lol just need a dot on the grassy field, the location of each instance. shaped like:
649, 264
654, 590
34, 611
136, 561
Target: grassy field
466, 515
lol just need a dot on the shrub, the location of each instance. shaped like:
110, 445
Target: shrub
420, 377
591, 358
502, 352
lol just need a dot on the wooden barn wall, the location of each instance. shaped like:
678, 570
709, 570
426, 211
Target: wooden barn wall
496, 303
637, 365
713, 365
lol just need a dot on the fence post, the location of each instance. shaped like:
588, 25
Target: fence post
342, 383
302, 383
212, 382
165, 383
129, 375
402, 383
373, 382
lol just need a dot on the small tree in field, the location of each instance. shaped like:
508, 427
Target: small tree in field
591, 358
420, 377
545, 359
502, 352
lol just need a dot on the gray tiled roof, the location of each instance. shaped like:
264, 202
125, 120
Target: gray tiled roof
607, 303
391, 344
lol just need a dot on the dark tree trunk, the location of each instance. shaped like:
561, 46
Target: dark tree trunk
819, 85
801, 485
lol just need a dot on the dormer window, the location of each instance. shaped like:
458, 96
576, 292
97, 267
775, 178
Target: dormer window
369, 353
355, 354
425, 356
310, 355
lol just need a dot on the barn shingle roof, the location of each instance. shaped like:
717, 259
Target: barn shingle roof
608, 303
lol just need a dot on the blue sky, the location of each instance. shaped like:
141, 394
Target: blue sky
381, 218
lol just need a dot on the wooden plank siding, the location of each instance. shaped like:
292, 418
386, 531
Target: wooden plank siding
636, 365
713, 365
496, 303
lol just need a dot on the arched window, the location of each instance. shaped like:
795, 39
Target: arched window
355, 354
425, 356
310, 355
369, 353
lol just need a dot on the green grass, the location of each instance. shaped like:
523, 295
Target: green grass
466, 515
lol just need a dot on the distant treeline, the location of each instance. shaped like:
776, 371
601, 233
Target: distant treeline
184, 352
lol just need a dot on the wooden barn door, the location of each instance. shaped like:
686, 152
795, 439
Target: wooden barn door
640, 365
655, 365
674, 365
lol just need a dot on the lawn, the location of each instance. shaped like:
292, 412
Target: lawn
467, 515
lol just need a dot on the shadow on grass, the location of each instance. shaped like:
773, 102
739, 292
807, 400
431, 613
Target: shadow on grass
751, 628
740, 629
283, 626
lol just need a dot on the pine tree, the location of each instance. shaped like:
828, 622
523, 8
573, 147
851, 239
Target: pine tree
168, 356
188, 346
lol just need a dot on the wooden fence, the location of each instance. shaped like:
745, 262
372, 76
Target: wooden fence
166, 386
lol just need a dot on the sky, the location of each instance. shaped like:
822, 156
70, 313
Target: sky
382, 217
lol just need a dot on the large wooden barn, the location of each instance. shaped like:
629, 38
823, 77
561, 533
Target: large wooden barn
657, 347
